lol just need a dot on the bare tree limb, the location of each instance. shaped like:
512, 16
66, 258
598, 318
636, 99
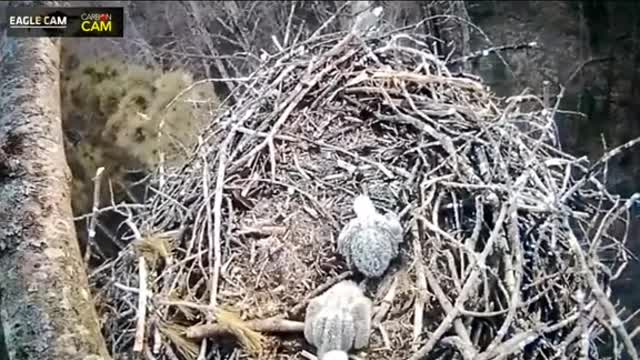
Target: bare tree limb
47, 311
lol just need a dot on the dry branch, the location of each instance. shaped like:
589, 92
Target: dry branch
47, 310
274, 325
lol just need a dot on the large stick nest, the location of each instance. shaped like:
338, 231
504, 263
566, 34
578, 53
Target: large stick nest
510, 244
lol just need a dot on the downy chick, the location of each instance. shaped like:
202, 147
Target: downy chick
338, 321
335, 355
370, 241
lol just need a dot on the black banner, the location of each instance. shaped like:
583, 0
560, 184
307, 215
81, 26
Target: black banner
65, 22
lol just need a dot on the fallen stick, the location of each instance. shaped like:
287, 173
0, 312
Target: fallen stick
138, 345
271, 325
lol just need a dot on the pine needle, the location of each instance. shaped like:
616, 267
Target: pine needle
154, 247
251, 339
187, 348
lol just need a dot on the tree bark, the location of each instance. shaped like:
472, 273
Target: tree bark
46, 307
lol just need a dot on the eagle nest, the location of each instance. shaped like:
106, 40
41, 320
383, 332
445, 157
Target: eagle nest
510, 244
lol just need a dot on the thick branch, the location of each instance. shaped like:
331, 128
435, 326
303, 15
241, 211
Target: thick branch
272, 325
47, 312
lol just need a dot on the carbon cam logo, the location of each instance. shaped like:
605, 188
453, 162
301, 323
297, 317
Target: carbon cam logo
96, 22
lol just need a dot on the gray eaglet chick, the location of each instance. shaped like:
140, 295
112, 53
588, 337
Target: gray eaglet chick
338, 320
371, 240
366, 18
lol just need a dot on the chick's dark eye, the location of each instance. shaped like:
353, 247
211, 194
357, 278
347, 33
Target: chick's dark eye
139, 135
140, 101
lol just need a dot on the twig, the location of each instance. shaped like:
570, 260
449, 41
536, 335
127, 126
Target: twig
582, 65
495, 49
272, 325
605, 303
196, 12
462, 332
317, 291
421, 281
94, 214
138, 346
597, 165
386, 303
469, 285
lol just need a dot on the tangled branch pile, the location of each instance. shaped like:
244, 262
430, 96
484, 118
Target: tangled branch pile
510, 244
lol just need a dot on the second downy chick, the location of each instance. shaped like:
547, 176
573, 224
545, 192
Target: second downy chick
335, 355
370, 241
338, 321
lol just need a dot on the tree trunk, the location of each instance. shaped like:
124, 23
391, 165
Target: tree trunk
46, 307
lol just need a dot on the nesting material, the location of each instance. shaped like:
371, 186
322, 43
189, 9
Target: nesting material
511, 244
338, 321
370, 241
